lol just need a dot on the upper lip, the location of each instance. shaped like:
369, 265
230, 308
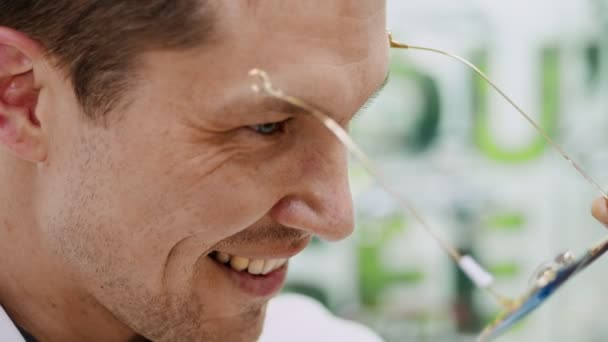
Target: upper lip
284, 251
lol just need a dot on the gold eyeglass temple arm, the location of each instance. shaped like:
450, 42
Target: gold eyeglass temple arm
579, 169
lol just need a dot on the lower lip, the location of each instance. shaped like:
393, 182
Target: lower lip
257, 285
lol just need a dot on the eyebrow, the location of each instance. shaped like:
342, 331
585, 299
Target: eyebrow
288, 108
265, 104
272, 104
373, 96
380, 89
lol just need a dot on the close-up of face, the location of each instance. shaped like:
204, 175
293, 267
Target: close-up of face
177, 217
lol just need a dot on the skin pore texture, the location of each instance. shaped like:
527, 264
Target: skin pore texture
106, 230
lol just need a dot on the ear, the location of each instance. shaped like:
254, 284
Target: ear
20, 129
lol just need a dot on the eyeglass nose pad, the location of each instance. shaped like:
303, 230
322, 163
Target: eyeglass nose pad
565, 258
547, 271
543, 275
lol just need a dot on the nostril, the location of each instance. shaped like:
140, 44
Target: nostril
331, 221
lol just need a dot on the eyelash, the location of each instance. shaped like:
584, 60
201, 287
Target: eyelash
275, 128
367, 104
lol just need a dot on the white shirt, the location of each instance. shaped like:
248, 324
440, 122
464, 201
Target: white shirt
297, 318
8, 330
291, 317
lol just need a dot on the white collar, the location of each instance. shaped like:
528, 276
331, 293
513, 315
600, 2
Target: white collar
286, 313
8, 330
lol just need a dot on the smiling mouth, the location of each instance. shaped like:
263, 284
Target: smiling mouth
257, 267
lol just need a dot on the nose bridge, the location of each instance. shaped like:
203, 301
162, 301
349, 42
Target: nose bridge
332, 193
321, 201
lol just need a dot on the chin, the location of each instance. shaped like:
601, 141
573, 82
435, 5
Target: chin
245, 328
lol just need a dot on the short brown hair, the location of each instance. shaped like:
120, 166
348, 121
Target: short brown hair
97, 41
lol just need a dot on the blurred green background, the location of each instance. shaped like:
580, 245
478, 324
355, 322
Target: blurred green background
478, 172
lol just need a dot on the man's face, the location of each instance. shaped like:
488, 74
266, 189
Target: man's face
198, 164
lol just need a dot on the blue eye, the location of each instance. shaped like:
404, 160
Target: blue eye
270, 128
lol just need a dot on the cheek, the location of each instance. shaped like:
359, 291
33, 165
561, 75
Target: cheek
120, 202
223, 203
114, 208
149, 204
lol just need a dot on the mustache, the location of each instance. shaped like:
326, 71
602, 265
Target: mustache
269, 234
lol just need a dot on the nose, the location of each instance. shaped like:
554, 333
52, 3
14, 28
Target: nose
319, 200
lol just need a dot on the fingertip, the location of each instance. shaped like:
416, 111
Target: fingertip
599, 210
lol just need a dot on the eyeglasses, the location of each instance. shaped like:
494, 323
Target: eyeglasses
546, 280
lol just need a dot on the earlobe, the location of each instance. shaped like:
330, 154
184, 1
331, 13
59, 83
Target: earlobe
20, 129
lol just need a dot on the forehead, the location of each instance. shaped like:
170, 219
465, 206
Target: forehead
312, 49
316, 18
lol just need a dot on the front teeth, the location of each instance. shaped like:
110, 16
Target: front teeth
239, 264
269, 266
255, 266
